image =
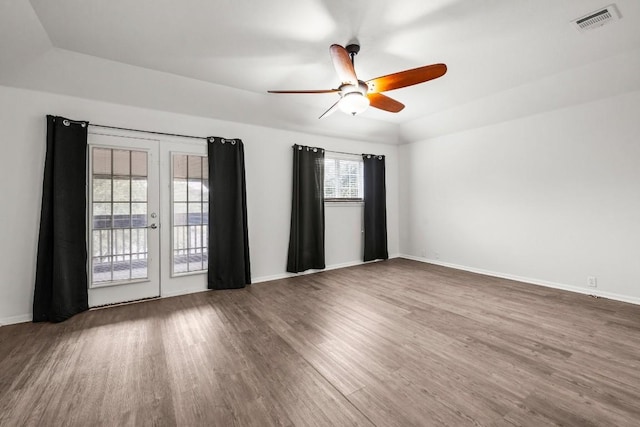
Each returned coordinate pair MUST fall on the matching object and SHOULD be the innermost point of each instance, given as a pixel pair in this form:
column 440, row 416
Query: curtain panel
column 61, row 266
column 306, row 238
column 229, row 264
column 375, row 208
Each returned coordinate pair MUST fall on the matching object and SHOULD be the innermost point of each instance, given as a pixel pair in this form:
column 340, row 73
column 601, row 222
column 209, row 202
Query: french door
column 148, row 218
column 124, row 241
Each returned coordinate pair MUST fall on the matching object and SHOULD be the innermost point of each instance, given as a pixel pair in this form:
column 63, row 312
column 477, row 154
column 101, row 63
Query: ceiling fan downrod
column 353, row 50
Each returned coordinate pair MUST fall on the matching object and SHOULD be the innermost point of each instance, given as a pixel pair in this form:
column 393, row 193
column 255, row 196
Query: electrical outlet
column 592, row 281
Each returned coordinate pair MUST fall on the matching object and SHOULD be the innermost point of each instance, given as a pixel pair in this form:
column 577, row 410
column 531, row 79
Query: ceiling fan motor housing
column 347, row 88
column 354, row 98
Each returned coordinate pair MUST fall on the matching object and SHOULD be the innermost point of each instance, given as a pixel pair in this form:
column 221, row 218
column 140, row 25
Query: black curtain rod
column 191, row 136
column 149, row 131
column 343, row 152
column 353, row 154
column 338, row 152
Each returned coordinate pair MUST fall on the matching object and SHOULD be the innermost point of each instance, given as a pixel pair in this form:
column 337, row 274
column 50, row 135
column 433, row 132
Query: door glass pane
column 139, row 189
column 101, row 161
column 121, row 162
column 195, row 190
column 179, row 214
column 195, row 213
column 119, row 237
column 190, row 213
column 101, row 215
column 205, row 190
column 194, row 166
column 121, row 215
column 179, row 166
column 179, row 190
column 195, row 251
column 138, row 215
column 121, row 189
column 138, row 163
column 101, row 189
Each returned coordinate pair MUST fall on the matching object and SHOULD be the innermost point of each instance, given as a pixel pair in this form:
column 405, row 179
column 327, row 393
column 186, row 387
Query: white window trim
column 344, row 201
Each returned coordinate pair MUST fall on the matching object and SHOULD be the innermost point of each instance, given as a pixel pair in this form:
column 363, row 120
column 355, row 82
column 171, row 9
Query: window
column 190, row 178
column 119, row 215
column 343, row 176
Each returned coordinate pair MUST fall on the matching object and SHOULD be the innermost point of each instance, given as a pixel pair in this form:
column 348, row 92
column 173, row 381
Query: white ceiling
column 159, row 53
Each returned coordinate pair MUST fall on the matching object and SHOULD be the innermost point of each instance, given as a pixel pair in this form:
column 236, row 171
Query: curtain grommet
column 66, row 122
column 83, row 124
column 315, row 150
column 299, row 147
column 368, row 156
column 379, row 157
column 233, row 142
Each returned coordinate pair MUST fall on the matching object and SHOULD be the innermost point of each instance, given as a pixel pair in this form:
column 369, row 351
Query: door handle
column 152, row 226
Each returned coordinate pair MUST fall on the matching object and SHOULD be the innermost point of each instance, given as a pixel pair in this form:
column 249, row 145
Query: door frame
column 135, row 289
column 178, row 283
column 169, row 284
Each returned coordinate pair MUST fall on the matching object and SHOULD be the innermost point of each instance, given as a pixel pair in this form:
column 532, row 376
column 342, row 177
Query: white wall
column 550, row 199
column 268, row 167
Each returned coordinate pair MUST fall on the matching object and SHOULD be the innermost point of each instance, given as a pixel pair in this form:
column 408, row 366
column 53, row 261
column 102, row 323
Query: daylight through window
column 190, row 213
column 119, row 215
column 343, row 177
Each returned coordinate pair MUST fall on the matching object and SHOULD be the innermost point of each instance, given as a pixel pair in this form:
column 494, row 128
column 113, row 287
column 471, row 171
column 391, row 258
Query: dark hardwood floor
column 396, row 343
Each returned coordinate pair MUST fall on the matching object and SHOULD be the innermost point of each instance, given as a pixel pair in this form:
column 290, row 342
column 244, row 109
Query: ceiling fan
column 356, row 95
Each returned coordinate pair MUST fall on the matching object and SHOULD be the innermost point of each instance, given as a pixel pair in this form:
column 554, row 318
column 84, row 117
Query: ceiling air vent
column 598, row 18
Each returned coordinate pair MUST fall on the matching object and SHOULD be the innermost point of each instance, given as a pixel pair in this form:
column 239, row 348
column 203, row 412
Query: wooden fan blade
column 305, row 91
column 406, row 78
column 385, row 103
column 343, row 65
column 331, row 110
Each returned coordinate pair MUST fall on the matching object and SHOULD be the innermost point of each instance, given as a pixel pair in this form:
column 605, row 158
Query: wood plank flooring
column 395, row 343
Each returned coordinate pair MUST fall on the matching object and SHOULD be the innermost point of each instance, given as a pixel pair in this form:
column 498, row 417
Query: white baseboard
column 16, row 319
column 329, row 267
column 529, row 280
column 28, row 317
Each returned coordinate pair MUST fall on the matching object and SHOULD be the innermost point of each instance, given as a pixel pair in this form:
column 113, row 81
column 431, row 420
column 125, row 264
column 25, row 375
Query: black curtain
column 306, row 239
column 229, row 266
column 61, row 268
column 375, row 208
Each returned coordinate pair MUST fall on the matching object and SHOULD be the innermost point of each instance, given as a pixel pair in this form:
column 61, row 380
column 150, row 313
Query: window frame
column 337, row 157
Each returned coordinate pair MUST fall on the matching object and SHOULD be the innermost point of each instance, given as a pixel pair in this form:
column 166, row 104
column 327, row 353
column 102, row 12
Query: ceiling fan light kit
column 354, row 103
column 356, row 95
column 354, row 98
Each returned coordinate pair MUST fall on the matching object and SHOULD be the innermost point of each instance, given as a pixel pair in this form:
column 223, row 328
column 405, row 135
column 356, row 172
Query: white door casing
column 160, row 279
